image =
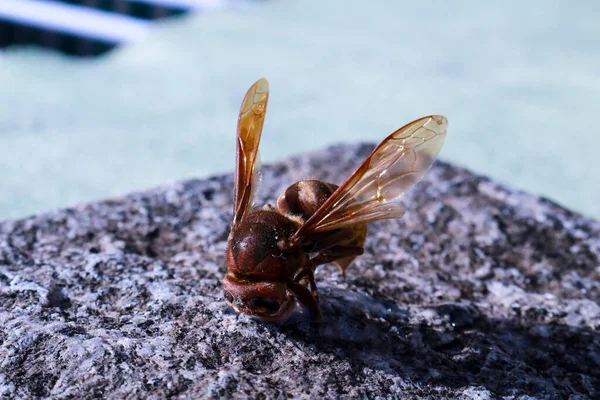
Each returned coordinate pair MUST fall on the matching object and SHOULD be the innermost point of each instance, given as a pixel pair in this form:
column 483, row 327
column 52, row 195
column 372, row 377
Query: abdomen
column 303, row 199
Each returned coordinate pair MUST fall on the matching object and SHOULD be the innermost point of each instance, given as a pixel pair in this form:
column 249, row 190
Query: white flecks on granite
column 479, row 292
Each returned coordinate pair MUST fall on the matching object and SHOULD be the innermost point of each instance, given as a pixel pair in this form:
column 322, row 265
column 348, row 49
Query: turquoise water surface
column 519, row 82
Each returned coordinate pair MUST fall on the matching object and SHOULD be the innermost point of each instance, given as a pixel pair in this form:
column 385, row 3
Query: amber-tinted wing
column 250, row 123
column 374, row 190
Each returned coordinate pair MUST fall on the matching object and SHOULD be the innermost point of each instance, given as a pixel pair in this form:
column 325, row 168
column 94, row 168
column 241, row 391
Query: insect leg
column 340, row 255
column 326, row 240
column 306, row 277
column 335, row 253
column 306, row 298
column 313, row 285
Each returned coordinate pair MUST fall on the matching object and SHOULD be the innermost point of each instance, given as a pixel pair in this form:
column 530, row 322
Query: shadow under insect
column 457, row 346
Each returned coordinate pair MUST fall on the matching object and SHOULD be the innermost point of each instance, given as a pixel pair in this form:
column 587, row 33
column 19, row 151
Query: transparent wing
column 375, row 189
column 250, row 123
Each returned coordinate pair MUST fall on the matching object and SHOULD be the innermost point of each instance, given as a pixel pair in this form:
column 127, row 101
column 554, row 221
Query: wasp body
column 272, row 252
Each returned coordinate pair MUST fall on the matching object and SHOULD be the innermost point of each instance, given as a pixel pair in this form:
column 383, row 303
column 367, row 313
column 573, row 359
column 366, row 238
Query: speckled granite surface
column 479, row 291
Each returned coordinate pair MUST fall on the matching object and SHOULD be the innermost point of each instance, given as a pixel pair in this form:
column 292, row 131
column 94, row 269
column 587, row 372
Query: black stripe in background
column 133, row 9
column 12, row 34
column 15, row 34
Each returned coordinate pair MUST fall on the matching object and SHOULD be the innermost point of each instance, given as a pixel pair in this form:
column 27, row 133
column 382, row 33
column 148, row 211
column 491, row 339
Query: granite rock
column 479, row 292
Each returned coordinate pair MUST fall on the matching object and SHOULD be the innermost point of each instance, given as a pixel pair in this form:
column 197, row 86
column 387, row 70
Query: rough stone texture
column 480, row 291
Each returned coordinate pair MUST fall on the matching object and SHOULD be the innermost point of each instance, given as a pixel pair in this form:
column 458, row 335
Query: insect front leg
column 306, row 297
column 306, row 277
column 313, row 285
column 298, row 286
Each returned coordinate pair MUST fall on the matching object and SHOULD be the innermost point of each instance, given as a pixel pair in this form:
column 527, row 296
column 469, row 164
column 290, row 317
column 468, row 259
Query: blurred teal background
column 519, row 82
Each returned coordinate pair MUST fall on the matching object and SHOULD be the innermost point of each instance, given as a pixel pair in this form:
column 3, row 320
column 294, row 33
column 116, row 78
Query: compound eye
column 228, row 296
column 264, row 303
